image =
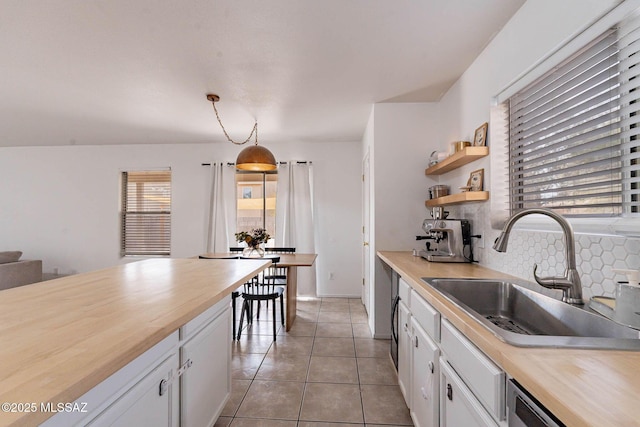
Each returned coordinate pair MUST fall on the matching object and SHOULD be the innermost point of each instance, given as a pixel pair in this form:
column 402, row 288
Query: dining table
column 290, row 261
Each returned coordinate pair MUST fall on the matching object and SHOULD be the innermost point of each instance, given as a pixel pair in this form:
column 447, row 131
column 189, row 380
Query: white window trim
column 566, row 49
column 142, row 256
column 615, row 226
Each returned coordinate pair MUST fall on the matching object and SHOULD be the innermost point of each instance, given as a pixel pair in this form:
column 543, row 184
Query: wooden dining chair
column 260, row 289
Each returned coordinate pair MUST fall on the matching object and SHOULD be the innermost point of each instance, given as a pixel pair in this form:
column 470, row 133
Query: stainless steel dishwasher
column 525, row 410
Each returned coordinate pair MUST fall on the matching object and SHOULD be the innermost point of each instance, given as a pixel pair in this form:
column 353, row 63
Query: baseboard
column 340, row 296
column 382, row 336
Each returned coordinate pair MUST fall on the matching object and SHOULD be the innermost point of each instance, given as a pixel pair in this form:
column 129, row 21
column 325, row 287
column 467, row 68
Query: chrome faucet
column 570, row 282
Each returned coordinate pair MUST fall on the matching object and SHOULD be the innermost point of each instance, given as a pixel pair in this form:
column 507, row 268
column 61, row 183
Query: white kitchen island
column 118, row 337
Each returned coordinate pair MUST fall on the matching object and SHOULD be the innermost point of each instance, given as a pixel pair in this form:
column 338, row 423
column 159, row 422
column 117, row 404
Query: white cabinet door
column 458, row 406
column 425, row 379
column 483, row 377
column 404, row 352
column 144, row 404
column 206, row 385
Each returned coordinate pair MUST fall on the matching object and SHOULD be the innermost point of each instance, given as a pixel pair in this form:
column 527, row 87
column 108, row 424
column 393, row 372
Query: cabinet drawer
column 427, row 316
column 204, row 318
column 404, row 292
column 485, row 379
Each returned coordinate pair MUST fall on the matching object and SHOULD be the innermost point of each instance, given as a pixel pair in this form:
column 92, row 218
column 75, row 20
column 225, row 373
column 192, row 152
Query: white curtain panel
column 221, row 209
column 294, row 217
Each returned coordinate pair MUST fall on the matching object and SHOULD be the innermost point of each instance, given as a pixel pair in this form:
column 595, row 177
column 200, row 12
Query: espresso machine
column 446, row 238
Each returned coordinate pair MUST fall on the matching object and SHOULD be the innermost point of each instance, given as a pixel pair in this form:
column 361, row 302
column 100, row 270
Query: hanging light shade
column 256, row 158
column 253, row 158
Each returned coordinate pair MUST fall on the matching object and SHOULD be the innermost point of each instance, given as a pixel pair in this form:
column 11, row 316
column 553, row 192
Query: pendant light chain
column 253, row 131
column 254, row 158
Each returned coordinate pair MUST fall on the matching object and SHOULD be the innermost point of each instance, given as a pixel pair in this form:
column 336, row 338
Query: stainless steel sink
column 517, row 313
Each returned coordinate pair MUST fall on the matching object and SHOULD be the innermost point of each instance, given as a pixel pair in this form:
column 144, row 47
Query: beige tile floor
column 326, row 370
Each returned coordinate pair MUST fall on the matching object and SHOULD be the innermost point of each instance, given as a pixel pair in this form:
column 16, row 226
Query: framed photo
column 246, row 192
column 476, row 180
column 480, row 137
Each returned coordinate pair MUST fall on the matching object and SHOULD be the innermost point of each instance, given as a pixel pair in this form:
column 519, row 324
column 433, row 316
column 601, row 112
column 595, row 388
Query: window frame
column 625, row 225
column 264, row 181
column 566, row 135
column 150, row 250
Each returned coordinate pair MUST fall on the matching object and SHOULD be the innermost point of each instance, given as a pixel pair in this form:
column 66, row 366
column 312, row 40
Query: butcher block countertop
column 60, row 338
column 581, row 387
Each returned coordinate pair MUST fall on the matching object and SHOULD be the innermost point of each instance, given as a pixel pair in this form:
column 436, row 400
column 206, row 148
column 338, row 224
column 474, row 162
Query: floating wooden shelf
column 456, row 199
column 467, row 155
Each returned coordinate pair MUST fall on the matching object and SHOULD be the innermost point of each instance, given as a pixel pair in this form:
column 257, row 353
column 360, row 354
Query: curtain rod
column 303, row 162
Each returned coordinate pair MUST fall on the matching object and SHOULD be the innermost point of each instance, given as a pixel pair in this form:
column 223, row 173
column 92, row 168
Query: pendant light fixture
column 253, row 158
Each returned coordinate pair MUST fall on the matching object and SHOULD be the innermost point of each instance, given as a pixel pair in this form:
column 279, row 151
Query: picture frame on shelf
column 480, row 136
column 476, row 180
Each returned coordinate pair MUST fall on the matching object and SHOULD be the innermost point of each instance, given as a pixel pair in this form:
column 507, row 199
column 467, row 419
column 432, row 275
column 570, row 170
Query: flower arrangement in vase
column 253, row 239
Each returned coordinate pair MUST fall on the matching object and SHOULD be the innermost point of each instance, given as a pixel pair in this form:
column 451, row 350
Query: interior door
column 366, row 249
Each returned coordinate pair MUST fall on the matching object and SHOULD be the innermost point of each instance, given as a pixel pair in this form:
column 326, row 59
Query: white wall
column 537, row 29
column 61, row 204
column 405, row 136
column 400, row 143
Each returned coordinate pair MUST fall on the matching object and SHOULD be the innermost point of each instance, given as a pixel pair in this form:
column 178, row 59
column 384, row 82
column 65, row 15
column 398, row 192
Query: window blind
column 573, row 132
column 629, row 44
column 146, row 213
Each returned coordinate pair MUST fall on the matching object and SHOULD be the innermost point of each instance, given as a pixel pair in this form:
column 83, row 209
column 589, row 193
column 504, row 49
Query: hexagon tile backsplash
column 596, row 257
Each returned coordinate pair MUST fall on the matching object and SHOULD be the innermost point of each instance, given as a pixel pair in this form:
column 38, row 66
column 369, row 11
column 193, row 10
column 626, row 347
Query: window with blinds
column 146, row 213
column 573, row 133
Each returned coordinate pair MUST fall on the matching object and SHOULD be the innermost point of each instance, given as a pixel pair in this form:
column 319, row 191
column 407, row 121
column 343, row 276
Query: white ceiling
column 137, row 71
